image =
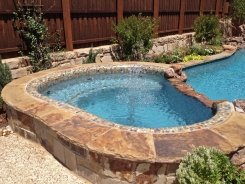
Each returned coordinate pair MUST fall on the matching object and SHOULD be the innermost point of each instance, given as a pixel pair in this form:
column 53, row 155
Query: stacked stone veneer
column 95, row 167
column 238, row 41
column 20, row 66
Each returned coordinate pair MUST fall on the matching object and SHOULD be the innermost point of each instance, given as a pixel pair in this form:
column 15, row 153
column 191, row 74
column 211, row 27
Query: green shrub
column 134, row 36
column 168, row 59
column 216, row 48
column 179, row 54
column 208, row 166
column 5, row 78
column 1, row 104
column 165, row 59
column 207, row 30
column 204, row 50
column 192, row 57
column 238, row 10
column 28, row 22
column 91, row 56
column 175, row 56
column 180, row 51
column 56, row 39
column 5, row 75
column 201, row 50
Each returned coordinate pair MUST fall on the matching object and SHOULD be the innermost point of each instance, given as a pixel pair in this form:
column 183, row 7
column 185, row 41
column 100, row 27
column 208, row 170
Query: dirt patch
column 240, row 104
column 3, row 119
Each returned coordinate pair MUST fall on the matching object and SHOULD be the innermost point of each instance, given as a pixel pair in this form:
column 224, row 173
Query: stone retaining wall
column 239, row 40
column 20, row 66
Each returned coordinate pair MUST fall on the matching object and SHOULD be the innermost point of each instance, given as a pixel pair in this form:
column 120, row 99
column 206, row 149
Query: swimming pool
column 134, row 99
column 220, row 80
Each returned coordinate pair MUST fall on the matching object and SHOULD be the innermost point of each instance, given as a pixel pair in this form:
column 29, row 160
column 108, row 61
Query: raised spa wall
column 20, row 66
column 109, row 154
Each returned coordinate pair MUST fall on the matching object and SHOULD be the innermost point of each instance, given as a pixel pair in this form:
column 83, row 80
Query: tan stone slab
column 172, row 147
column 50, row 113
column 79, row 130
column 20, row 72
column 28, row 78
column 11, row 89
column 31, row 105
column 17, row 97
column 233, row 129
column 125, row 144
column 13, row 63
column 28, row 103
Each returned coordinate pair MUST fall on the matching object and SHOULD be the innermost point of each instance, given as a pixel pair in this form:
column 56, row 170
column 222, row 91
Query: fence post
column 119, row 10
column 67, row 24
column 224, row 8
column 182, row 16
column 156, row 14
column 217, row 7
column 201, row 7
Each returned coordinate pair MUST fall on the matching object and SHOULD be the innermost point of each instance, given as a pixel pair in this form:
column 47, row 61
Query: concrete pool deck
column 105, row 153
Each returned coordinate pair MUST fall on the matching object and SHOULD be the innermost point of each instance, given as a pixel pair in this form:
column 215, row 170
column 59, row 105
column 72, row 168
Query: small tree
column 134, row 36
column 238, row 10
column 5, row 75
column 28, row 22
column 5, row 78
column 207, row 30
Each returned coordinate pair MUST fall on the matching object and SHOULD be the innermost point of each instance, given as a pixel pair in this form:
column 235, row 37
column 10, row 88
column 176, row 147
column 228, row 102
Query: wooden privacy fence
column 86, row 22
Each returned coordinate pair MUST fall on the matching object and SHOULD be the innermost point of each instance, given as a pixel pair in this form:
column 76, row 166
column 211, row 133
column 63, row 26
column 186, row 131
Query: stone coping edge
column 222, row 110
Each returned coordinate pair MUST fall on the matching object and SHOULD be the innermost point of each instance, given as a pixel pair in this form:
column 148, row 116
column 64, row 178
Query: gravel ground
column 25, row 162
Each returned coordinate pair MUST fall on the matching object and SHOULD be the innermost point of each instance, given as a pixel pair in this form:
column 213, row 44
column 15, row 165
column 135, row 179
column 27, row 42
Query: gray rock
column 229, row 47
column 98, row 58
column 13, row 63
column 21, row 72
column 169, row 73
column 107, row 59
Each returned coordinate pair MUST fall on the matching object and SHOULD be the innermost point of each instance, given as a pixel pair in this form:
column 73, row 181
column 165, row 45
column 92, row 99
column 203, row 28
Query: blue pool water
column 140, row 100
column 224, row 79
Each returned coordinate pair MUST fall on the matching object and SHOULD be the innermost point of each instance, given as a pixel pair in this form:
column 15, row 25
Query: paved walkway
column 25, row 162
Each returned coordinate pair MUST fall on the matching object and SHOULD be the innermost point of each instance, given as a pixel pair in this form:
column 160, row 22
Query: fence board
column 92, row 20
column 169, row 22
column 169, row 5
column 192, row 5
column 138, row 6
column 209, row 5
column 189, row 20
column 93, row 6
column 52, row 6
column 7, row 6
column 8, row 36
column 92, row 26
